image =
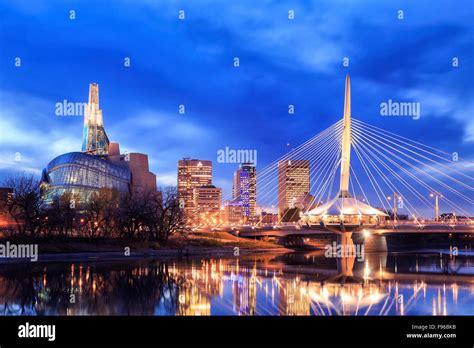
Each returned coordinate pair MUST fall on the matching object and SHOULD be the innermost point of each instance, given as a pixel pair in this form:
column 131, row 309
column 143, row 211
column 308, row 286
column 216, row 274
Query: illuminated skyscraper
column 245, row 188
column 192, row 173
column 94, row 138
column 293, row 182
column 207, row 204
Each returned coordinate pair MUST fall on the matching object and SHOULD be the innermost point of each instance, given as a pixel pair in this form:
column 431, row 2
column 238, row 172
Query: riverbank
column 208, row 245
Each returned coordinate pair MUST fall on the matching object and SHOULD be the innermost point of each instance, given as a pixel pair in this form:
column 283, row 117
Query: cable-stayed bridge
column 355, row 177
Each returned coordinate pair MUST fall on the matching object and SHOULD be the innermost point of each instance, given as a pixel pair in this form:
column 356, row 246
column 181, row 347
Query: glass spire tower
column 94, row 138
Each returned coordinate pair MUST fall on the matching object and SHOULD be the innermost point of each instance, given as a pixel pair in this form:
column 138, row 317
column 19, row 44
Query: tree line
column 147, row 215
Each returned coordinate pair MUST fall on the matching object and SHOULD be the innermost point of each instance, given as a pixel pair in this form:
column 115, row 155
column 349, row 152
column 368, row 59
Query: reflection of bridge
column 393, row 184
column 323, row 286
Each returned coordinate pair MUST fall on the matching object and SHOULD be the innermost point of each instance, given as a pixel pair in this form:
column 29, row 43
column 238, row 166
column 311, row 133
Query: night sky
column 191, row 62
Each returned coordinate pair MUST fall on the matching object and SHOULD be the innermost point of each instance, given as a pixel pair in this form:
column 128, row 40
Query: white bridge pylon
column 388, row 175
column 344, row 212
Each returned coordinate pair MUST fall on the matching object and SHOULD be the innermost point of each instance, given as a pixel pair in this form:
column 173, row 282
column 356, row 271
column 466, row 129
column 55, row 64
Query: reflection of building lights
column 402, row 306
column 445, row 311
column 455, row 293
column 294, row 296
column 366, row 270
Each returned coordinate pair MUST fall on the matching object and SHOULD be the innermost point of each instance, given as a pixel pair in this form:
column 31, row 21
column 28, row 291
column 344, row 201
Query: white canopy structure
column 344, row 206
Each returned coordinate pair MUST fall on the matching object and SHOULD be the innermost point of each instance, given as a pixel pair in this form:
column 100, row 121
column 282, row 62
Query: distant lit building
column 99, row 165
column 6, row 196
column 245, row 189
column 233, row 212
column 207, row 204
column 293, row 182
column 269, row 218
column 192, row 173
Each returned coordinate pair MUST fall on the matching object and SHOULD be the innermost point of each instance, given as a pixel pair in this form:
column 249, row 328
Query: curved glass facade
column 82, row 174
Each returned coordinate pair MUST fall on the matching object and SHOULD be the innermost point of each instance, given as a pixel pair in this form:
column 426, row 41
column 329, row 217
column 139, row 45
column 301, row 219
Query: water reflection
column 290, row 284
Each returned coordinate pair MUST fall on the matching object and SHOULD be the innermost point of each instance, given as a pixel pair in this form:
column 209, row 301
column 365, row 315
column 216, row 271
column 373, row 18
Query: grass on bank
column 56, row 245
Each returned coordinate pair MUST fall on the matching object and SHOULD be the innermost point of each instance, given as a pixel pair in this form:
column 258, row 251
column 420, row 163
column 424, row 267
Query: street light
column 436, row 194
column 394, row 205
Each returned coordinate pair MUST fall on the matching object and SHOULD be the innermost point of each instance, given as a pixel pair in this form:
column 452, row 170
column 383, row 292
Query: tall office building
column 245, row 189
column 192, row 173
column 293, row 182
column 207, row 204
column 94, row 138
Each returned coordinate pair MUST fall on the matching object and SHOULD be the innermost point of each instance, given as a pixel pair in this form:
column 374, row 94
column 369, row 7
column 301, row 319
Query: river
column 422, row 282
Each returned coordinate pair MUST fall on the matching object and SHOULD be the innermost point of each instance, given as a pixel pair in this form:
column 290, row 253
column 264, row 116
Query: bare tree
column 130, row 216
column 61, row 214
column 101, row 212
column 27, row 206
column 139, row 215
column 164, row 216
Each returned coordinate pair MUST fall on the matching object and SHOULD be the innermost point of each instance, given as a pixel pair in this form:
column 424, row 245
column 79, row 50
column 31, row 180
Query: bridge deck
column 462, row 229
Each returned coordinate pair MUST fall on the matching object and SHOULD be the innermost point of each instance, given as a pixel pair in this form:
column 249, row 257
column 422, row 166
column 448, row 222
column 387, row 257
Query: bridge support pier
column 345, row 239
column 345, row 264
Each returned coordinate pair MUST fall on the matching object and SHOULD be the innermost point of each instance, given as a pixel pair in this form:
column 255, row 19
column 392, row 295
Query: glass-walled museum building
column 82, row 174
column 99, row 165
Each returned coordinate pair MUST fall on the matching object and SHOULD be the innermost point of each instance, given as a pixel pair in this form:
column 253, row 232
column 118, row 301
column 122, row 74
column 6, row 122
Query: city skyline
column 161, row 161
column 257, row 93
column 96, row 143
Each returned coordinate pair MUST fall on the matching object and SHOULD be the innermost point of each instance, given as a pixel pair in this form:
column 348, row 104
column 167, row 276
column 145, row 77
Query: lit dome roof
column 345, row 206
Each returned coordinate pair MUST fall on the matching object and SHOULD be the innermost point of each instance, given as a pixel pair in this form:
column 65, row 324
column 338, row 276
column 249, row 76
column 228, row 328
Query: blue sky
column 190, row 62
